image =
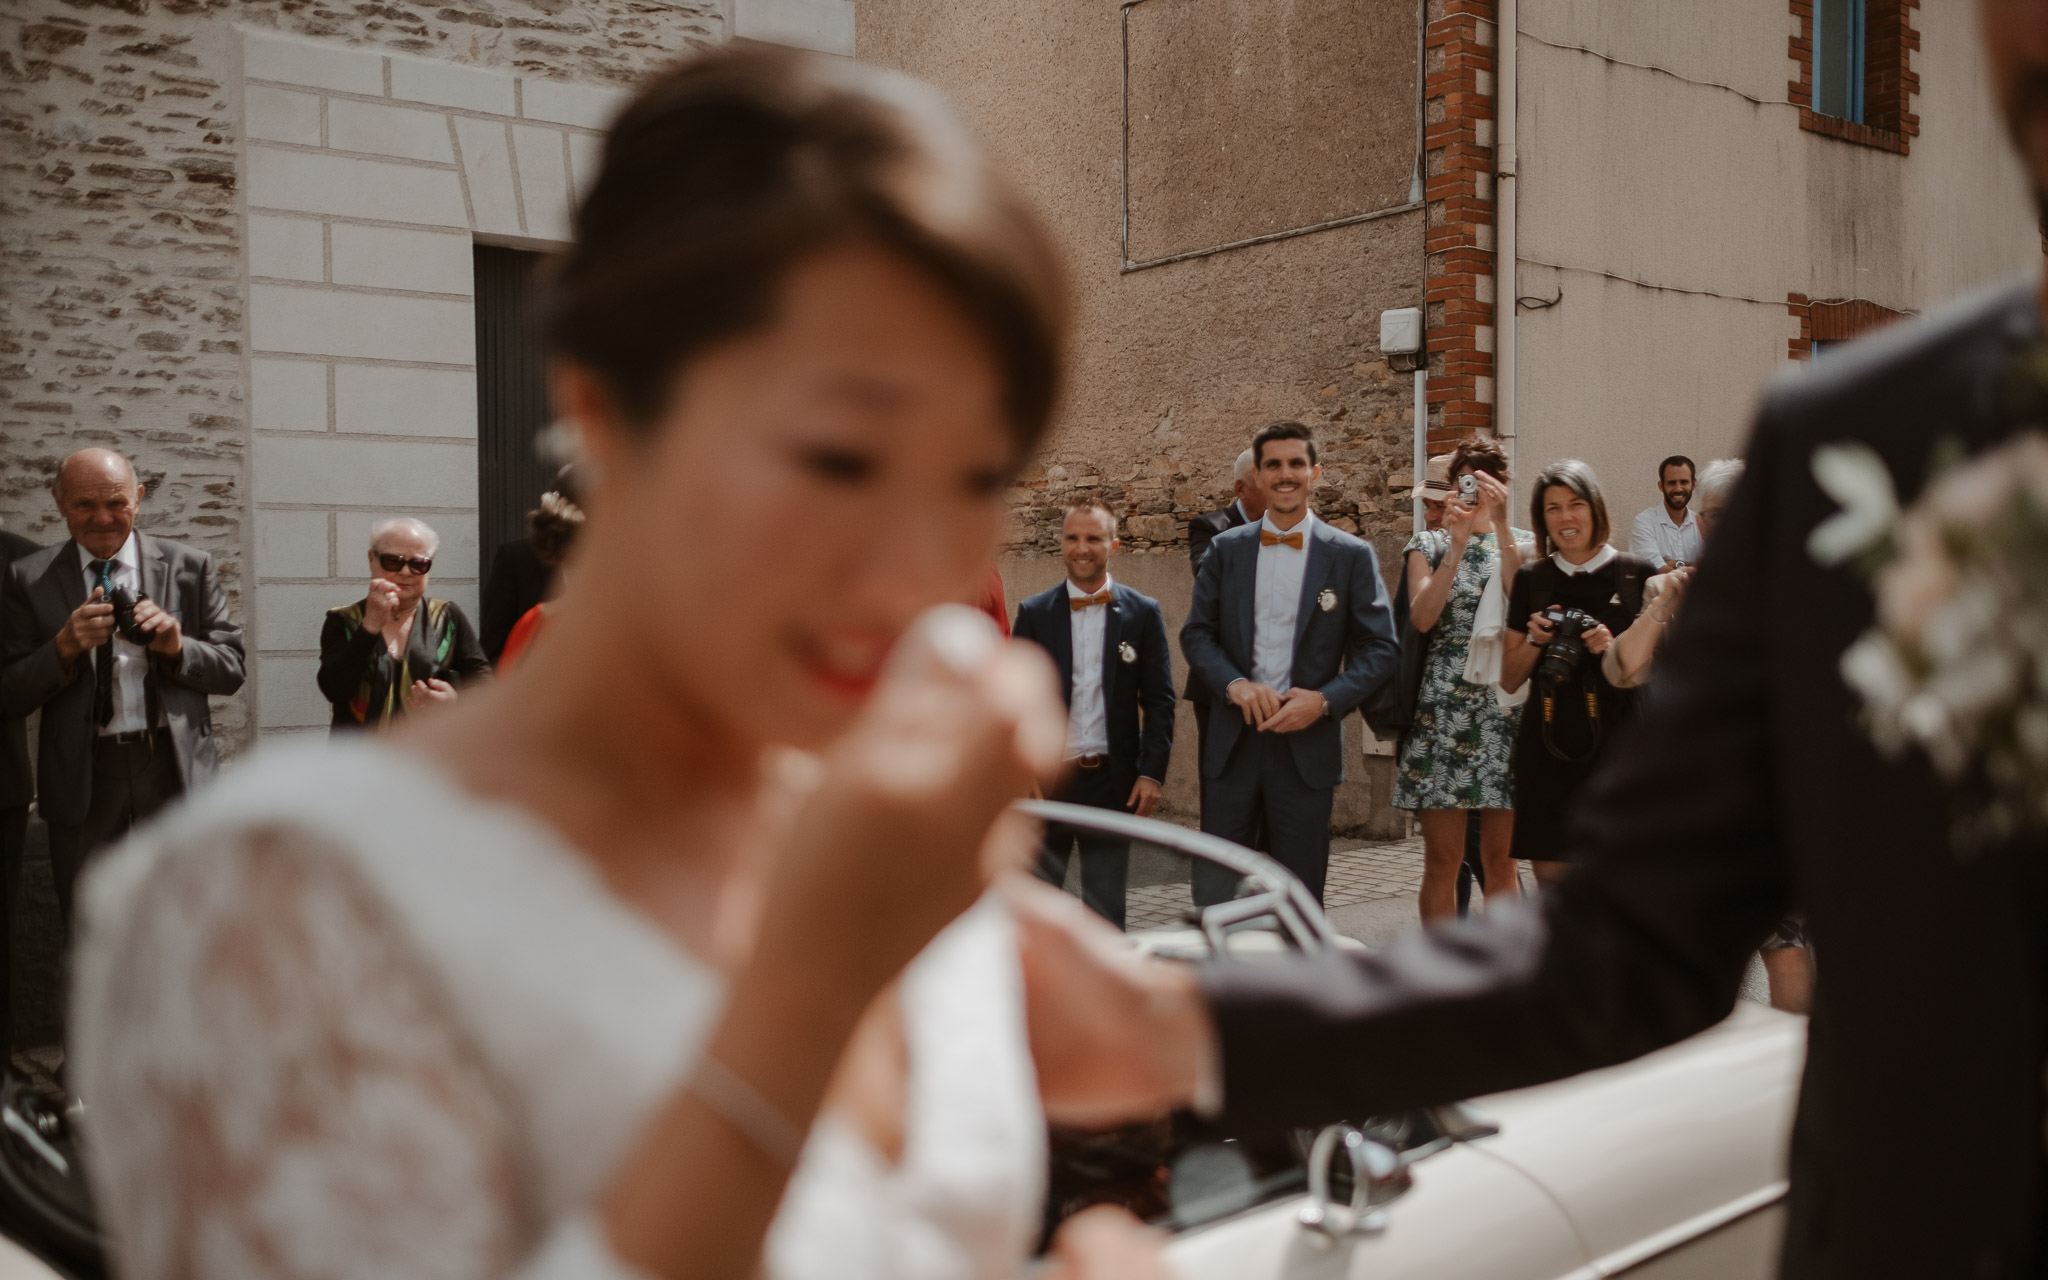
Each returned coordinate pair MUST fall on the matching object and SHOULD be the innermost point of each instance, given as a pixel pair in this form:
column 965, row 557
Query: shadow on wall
column 1361, row 805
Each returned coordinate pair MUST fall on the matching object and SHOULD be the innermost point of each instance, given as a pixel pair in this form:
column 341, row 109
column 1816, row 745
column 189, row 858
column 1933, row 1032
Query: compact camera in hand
column 1567, row 646
column 1468, row 489
column 124, row 600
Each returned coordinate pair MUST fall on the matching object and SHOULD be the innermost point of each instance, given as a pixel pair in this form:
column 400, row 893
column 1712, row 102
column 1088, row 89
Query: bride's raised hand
column 890, row 846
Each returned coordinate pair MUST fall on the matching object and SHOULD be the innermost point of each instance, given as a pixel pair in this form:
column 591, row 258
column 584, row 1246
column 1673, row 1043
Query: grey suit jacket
column 37, row 596
column 1344, row 652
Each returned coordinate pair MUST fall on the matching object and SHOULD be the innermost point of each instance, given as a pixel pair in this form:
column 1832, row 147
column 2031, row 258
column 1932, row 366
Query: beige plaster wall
column 1175, row 366
column 1677, row 202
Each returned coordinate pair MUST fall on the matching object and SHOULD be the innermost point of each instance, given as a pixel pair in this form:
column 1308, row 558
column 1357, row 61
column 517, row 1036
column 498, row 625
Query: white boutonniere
column 1956, row 664
column 1127, row 651
column 1327, row 601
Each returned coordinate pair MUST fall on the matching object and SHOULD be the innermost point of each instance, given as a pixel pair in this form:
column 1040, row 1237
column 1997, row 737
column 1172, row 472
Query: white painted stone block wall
column 368, row 178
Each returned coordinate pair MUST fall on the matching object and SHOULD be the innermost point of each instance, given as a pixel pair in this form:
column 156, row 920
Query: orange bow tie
column 1268, row 538
column 1078, row 603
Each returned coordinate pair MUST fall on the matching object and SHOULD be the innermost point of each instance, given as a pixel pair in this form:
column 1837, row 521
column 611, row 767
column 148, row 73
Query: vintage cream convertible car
column 1671, row 1167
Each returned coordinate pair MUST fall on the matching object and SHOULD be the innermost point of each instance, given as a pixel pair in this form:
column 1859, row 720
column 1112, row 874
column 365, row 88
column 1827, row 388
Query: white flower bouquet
column 1957, row 663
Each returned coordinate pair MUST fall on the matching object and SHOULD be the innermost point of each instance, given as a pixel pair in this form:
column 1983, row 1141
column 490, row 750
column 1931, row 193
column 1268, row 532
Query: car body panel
column 1683, row 1139
column 1470, row 1217
column 1671, row 1167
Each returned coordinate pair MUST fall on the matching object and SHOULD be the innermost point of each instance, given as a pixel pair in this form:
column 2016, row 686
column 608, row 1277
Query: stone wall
column 123, row 296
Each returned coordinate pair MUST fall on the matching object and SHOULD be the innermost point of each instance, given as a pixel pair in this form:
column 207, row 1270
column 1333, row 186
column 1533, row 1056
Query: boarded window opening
column 512, row 396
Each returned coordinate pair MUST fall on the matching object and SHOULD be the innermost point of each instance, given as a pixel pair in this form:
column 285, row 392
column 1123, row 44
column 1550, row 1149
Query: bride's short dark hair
column 732, row 167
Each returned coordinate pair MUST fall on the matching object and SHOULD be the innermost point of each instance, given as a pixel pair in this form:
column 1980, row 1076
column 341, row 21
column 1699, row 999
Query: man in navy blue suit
column 1109, row 643
column 1290, row 630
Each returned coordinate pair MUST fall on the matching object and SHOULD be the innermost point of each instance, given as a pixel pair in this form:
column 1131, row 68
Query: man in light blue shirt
column 1668, row 534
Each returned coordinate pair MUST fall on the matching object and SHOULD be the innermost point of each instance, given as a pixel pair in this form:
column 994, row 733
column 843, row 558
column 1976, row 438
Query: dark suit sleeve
column 467, row 664
column 210, row 658
column 1645, row 946
column 1201, row 636
column 1155, row 698
column 31, row 673
column 1201, row 532
column 1024, row 628
column 345, row 655
column 1372, row 650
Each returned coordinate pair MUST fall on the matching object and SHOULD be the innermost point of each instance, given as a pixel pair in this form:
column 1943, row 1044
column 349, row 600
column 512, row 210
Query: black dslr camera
column 1567, row 646
column 124, row 601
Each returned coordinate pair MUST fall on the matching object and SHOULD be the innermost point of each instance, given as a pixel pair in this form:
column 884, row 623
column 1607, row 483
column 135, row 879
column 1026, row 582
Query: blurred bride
column 555, row 984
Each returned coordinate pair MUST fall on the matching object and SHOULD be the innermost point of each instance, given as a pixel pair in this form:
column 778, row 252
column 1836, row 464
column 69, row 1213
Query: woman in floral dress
column 1456, row 756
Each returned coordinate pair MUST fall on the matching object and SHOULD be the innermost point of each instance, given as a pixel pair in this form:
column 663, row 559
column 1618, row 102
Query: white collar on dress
column 1599, row 560
column 1075, row 593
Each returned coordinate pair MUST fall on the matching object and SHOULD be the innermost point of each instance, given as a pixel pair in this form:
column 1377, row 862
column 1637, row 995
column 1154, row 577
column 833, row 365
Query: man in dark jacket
column 1109, row 643
column 1245, row 508
column 17, row 789
column 125, row 726
column 1748, row 787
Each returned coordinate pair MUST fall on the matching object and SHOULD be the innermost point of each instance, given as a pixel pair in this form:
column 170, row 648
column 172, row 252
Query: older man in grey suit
column 125, row 725
column 1290, row 630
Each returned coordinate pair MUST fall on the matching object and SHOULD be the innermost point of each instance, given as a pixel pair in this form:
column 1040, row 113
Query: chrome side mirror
column 1378, row 1178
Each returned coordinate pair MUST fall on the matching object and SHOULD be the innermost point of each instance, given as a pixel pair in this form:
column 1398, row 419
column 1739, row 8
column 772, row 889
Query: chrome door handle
column 1378, row 1178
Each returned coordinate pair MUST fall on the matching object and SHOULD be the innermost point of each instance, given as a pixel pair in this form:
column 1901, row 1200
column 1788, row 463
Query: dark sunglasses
column 421, row 565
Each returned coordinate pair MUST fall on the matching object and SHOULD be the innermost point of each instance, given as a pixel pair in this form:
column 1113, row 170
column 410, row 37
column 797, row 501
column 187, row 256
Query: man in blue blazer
column 1109, row 643
column 1290, row 630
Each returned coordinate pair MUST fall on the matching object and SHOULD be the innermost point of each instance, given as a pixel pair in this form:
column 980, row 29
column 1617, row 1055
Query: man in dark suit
column 1748, row 787
column 1247, row 506
column 1290, row 630
column 17, row 789
column 1109, row 643
column 125, row 726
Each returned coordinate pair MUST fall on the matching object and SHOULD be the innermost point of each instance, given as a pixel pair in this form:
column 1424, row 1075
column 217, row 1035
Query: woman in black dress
column 1573, row 712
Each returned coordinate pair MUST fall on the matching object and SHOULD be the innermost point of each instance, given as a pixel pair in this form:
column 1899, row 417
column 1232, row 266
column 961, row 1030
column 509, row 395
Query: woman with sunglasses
column 396, row 649
column 595, row 975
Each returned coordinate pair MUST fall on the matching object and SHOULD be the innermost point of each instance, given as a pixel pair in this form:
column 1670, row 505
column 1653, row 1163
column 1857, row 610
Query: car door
column 1671, row 1167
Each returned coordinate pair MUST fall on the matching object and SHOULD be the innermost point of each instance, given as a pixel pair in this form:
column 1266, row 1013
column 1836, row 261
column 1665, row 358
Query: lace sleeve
column 276, row 1091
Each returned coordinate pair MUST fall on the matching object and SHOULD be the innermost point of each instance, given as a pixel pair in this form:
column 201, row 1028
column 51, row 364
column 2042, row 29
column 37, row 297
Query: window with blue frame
column 1839, row 40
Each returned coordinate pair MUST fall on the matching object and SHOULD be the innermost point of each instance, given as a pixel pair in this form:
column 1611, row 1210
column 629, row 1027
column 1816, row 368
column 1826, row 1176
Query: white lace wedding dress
column 308, row 1054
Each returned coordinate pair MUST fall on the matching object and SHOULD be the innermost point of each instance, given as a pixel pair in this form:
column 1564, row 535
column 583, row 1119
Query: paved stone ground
column 1360, row 872
column 1369, row 895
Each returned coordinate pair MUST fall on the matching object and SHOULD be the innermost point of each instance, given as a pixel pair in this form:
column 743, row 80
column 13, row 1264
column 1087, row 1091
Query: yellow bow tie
column 1268, row 538
column 1078, row 603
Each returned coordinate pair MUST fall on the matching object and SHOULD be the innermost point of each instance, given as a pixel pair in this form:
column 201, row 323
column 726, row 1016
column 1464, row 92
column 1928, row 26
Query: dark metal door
column 512, row 396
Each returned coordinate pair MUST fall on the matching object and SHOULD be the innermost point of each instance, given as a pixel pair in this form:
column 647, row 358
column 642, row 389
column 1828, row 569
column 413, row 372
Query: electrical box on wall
column 1401, row 331
column 1401, row 338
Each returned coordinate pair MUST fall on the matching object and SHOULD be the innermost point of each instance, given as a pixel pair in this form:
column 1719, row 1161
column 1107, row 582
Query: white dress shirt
column 1276, row 598
column 131, row 661
column 1656, row 539
column 1088, row 711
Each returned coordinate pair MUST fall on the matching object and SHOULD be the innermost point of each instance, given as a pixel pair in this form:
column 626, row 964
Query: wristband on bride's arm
column 758, row 1120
